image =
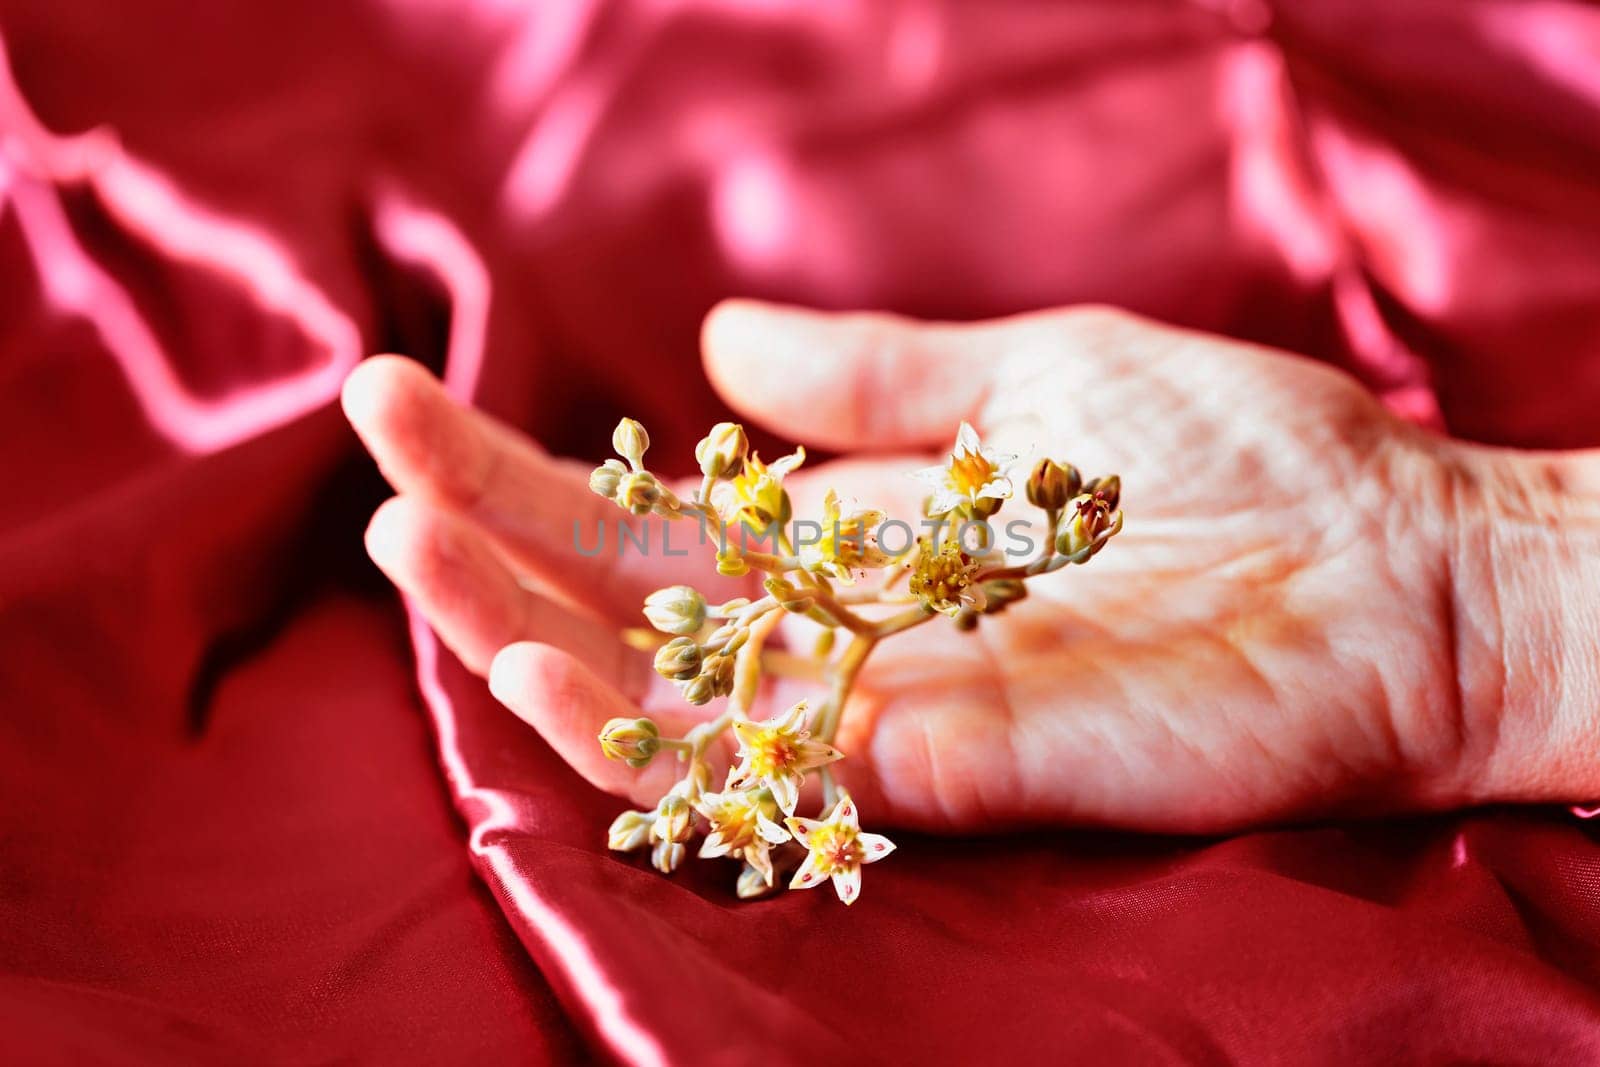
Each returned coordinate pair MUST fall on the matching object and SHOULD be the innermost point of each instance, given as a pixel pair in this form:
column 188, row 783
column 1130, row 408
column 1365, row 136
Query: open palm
column 1270, row 637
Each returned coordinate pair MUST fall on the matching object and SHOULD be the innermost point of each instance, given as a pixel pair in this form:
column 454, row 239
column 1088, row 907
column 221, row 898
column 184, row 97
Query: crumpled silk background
column 250, row 811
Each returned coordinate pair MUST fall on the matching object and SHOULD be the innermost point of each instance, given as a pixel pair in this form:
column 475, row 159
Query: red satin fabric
column 245, row 809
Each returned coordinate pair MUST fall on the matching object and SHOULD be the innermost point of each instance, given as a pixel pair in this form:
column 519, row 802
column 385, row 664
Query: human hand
column 1284, row 629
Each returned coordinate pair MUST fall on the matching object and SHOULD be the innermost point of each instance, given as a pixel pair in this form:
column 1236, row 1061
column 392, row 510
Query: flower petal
column 874, row 847
column 844, row 812
column 802, row 829
column 967, row 439
column 996, row 489
column 758, row 857
column 713, row 846
column 794, row 718
column 770, row 831
column 809, row 876
column 708, row 804
column 809, row 754
column 999, row 459
column 783, row 466
column 847, row 883
column 785, row 790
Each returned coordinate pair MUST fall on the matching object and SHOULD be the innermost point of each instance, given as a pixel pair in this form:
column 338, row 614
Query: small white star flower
column 756, row 496
column 972, row 474
column 742, row 826
column 837, row 850
column 848, row 542
column 778, row 753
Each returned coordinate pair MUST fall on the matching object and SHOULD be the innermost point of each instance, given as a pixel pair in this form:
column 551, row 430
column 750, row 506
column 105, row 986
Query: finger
column 433, row 449
column 568, row 704
column 474, row 603
column 848, row 381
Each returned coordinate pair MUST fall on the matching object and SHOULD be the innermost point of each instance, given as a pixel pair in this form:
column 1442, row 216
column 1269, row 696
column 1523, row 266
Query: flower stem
column 844, row 679
column 841, row 614
column 747, row 664
column 782, row 664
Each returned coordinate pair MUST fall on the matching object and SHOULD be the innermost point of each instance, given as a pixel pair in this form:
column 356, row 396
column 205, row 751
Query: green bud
column 719, row 669
column 630, row 442
column 678, row 660
column 677, row 609
column 731, row 565
column 634, row 740
column 700, row 691
column 629, row 830
column 1051, row 485
column 603, row 481
column 1001, row 593
column 736, row 642
column 721, row 452
column 638, row 491
column 1090, row 523
column 674, row 818
column 1108, row 489
column 752, row 884
column 667, row 856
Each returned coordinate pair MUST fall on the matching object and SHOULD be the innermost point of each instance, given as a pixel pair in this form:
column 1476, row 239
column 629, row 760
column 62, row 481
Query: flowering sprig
column 719, row 651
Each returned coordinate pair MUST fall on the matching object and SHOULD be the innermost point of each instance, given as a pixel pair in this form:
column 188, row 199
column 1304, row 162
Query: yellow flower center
column 836, row 847
column 737, row 824
column 759, row 495
column 772, row 751
column 941, row 576
column 969, row 472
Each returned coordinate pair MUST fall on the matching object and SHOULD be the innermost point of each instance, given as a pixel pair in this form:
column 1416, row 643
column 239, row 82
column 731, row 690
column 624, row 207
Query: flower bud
column 730, row 564
column 1002, row 592
column 1052, row 485
column 1090, row 523
column 634, row 740
column 674, row 818
column 638, row 491
column 630, row 442
column 603, row 481
column 667, row 856
column 752, row 884
column 700, row 691
column 721, row 452
column 720, row 670
column 677, row 609
column 1108, row 489
column 630, row 830
column 736, row 642
column 678, row 660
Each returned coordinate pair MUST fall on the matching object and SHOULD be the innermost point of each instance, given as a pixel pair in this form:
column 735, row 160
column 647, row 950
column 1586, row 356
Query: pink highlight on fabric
column 154, row 210
column 1272, row 193
column 428, row 240
column 600, row 997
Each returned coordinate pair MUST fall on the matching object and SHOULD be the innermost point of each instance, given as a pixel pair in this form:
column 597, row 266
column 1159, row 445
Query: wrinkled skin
column 1274, row 635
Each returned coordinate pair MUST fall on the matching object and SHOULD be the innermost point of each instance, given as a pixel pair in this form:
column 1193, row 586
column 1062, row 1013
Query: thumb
column 848, row 381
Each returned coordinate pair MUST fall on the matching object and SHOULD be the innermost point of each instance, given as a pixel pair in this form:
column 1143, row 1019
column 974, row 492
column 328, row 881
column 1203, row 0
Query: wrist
column 1525, row 572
